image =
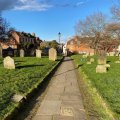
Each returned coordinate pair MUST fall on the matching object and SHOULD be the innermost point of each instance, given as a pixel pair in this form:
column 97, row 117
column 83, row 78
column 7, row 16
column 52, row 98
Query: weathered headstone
column 22, row 53
column 102, row 57
column 111, row 53
column 38, row 53
column 92, row 54
column 0, row 51
column 85, row 56
column 52, row 54
column 88, row 62
column 107, row 65
column 17, row 98
column 117, row 61
column 9, row 63
column 92, row 59
column 108, row 54
column 101, row 69
column 101, row 61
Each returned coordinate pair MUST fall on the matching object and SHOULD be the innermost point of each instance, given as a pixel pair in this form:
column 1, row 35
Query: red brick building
column 16, row 39
column 79, row 45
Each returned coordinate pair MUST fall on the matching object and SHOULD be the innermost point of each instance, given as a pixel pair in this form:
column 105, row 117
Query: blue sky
column 48, row 17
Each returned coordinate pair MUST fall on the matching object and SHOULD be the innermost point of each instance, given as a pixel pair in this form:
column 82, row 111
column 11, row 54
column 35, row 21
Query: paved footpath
column 63, row 100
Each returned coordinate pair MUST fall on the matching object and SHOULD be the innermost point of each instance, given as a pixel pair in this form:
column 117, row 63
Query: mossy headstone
column 9, row 63
column 22, row 53
column 52, row 54
column 101, row 67
column 38, row 53
column 102, row 57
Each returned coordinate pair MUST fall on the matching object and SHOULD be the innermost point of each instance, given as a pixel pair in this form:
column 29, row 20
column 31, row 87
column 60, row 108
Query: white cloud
column 79, row 3
column 31, row 5
column 34, row 5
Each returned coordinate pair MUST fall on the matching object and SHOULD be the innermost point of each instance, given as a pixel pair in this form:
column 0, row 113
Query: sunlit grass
column 29, row 73
column 107, row 84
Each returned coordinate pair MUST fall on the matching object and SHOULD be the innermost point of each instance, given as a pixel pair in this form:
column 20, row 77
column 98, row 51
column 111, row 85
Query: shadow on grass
column 27, row 66
column 108, row 61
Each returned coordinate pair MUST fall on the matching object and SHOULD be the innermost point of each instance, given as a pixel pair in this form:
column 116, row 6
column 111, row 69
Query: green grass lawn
column 107, row 84
column 29, row 72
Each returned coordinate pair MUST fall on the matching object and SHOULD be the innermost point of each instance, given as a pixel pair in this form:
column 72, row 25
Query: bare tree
column 113, row 29
column 92, row 27
column 115, row 10
column 4, row 27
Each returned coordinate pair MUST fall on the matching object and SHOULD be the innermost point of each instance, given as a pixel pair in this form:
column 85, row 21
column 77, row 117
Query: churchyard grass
column 29, row 73
column 107, row 85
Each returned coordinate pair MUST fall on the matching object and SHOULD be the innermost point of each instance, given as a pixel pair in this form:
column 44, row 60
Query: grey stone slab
column 73, row 104
column 71, row 89
column 80, row 114
column 54, row 90
column 58, row 84
column 68, row 97
column 49, row 107
column 42, row 117
column 58, row 117
column 52, row 97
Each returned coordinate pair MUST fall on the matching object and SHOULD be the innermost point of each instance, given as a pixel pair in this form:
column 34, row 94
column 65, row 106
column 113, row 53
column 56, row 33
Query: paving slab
column 59, row 117
column 42, row 117
column 49, row 108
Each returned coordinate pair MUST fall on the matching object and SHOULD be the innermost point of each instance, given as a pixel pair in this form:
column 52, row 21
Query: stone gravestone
column 88, row 62
column 102, row 57
column 108, row 54
column 52, row 54
column 118, row 61
column 17, row 98
column 9, row 63
column 92, row 54
column 92, row 60
column 38, row 53
column 85, row 56
column 0, row 51
column 101, row 67
column 22, row 53
column 111, row 53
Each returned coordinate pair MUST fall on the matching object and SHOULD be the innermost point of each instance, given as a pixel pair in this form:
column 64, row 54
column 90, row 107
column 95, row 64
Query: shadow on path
column 68, row 70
